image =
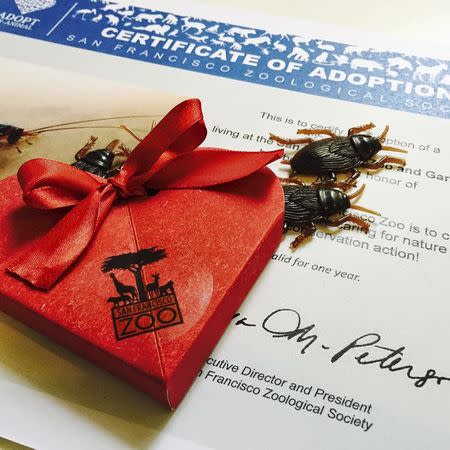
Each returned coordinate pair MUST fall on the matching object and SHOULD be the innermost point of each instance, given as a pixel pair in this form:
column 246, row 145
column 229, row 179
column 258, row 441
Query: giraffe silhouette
column 134, row 263
column 154, row 285
column 123, row 289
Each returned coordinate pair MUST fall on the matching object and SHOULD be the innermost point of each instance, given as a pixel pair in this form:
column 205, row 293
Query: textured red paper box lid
column 217, row 241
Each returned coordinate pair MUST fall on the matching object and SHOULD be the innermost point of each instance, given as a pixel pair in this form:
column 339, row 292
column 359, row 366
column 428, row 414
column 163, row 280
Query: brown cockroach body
column 339, row 154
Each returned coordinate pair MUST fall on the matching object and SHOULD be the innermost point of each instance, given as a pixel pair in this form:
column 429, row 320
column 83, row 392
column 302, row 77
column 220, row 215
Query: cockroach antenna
column 11, row 134
column 382, row 138
column 355, row 195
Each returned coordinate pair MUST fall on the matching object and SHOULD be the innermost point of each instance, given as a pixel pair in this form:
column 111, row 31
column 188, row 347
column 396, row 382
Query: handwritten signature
column 287, row 323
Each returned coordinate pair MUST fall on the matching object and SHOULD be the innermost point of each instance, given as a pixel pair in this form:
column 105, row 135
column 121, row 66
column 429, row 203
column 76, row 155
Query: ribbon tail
column 46, row 259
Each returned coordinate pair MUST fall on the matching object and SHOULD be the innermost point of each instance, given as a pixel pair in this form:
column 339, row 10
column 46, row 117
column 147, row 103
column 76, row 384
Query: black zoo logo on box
column 141, row 308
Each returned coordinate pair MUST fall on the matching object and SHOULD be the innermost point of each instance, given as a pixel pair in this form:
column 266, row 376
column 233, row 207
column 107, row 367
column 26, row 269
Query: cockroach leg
column 283, row 141
column 359, row 129
column 330, row 181
column 131, row 132
column 124, row 151
column 382, row 161
column 85, row 149
column 307, row 231
column 318, row 131
column 354, row 175
column 349, row 218
column 351, row 180
column 325, row 179
column 330, row 184
column 292, row 181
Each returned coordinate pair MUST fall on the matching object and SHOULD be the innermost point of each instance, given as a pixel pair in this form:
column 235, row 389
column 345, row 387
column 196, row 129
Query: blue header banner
column 329, row 69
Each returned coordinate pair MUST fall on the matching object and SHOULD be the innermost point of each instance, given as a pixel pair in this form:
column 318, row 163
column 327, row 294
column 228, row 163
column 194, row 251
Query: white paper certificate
column 341, row 344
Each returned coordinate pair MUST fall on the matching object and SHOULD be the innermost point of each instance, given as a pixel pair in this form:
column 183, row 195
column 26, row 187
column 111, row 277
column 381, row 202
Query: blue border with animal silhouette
column 341, row 71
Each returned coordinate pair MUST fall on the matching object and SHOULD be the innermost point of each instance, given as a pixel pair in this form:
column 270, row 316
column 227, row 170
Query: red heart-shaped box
column 216, row 242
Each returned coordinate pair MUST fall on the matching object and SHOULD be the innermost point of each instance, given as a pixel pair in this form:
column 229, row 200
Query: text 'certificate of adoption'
column 341, row 344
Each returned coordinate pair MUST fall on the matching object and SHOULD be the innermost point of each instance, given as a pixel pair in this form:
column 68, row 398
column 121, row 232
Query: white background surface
column 56, row 400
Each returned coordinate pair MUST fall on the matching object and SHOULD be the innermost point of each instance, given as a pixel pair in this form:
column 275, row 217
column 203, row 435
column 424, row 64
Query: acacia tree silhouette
column 134, row 262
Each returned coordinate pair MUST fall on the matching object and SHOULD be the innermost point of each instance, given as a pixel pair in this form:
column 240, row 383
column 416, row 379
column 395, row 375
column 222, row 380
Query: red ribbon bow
column 167, row 158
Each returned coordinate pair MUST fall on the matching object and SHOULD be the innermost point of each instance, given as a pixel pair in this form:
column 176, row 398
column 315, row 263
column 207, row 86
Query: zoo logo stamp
column 140, row 308
column 30, row 6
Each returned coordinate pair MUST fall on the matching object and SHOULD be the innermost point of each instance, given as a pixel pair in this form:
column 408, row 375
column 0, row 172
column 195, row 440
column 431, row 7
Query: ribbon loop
column 50, row 184
column 167, row 158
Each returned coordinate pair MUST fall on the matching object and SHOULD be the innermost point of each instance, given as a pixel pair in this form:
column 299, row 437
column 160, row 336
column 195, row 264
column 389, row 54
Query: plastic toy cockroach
column 339, row 154
column 101, row 161
column 308, row 205
column 11, row 135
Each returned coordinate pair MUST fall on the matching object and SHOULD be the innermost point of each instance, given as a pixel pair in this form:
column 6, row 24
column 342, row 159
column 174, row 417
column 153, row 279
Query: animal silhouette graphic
column 367, row 64
column 134, row 263
column 299, row 54
column 98, row 18
column 126, row 13
column 118, row 301
column 399, row 63
column 200, row 39
column 277, row 45
column 214, row 29
column 430, row 71
column 217, row 42
column 112, row 19
column 157, row 29
column 257, row 41
column 354, row 50
column 123, row 289
column 242, row 32
column 322, row 58
column 341, row 59
column 299, row 40
column 150, row 18
column 170, row 19
column 84, row 12
column 325, row 47
column 154, row 285
column 225, row 38
column 391, row 73
column 188, row 25
column 113, row 7
column 166, row 289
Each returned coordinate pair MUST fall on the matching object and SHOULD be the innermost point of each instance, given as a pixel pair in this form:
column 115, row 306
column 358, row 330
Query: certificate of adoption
column 342, row 343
